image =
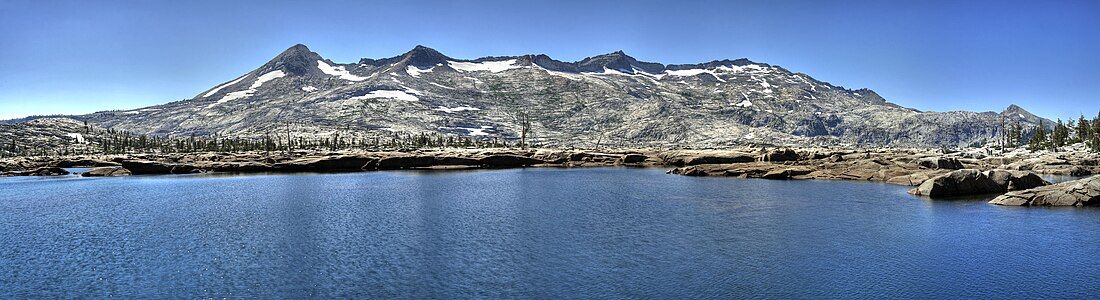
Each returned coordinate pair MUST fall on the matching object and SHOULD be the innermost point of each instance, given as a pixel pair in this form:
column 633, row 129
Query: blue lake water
column 528, row 233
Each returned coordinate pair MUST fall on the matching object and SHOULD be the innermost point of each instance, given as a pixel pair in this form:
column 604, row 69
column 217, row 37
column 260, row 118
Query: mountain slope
column 611, row 98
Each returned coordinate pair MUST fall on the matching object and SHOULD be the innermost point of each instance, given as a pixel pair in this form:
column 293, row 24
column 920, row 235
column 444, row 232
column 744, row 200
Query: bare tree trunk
column 524, row 121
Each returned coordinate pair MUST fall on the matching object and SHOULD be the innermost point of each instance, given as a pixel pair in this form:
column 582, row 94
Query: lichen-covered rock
column 1083, row 192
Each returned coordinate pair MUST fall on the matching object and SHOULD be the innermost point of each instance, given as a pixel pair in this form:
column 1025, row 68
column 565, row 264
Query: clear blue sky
column 85, row 56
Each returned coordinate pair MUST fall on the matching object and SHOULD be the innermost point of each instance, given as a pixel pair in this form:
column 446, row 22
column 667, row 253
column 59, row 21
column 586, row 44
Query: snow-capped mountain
column 611, row 98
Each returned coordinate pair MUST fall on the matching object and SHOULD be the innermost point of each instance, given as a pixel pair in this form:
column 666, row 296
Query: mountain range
column 613, row 99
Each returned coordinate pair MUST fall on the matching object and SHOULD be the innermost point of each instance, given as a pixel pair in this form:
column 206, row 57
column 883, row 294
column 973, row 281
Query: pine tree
column 1084, row 129
column 1059, row 135
column 1071, row 129
column 1095, row 135
column 1038, row 138
column 1016, row 137
column 1004, row 133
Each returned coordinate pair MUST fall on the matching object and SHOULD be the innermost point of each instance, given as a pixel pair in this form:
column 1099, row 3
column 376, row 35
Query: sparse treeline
column 1060, row 135
column 109, row 141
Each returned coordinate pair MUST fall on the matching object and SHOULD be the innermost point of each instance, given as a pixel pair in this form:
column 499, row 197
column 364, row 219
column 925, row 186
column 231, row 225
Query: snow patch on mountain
column 269, row 76
column 233, row 96
column 309, row 89
column 693, row 72
column 607, row 71
column 455, row 109
column 338, row 71
column 442, row 86
column 79, row 138
column 415, row 72
column 220, row 87
column 477, row 131
column 387, row 94
column 490, row 66
column 745, row 103
column 745, row 68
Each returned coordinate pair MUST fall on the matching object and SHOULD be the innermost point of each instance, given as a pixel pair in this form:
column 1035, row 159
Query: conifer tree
column 1038, row 138
column 1016, row 135
column 1084, row 129
column 1059, row 135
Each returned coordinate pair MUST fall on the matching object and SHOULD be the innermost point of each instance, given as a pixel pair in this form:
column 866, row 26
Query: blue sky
column 85, row 56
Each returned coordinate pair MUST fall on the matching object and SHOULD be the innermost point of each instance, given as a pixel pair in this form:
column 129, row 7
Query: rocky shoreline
column 932, row 173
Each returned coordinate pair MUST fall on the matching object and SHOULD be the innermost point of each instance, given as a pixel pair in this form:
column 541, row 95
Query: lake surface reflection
column 528, row 233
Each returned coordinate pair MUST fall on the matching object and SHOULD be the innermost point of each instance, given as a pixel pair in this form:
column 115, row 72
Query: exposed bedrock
column 1082, row 192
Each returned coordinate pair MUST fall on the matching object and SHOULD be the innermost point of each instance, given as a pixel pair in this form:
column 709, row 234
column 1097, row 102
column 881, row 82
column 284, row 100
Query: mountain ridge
column 610, row 96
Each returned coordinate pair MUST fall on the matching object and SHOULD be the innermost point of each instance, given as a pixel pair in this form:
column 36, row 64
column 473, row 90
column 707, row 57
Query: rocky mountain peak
column 618, row 61
column 1015, row 112
column 297, row 60
column 421, row 56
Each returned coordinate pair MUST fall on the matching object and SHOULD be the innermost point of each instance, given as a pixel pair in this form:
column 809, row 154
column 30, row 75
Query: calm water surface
column 530, row 233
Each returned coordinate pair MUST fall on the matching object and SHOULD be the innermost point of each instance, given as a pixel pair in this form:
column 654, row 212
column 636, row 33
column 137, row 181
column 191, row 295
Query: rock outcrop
column 335, row 163
column 780, row 155
column 43, row 171
column 1080, row 192
column 786, row 173
column 1016, row 180
column 682, row 158
column 146, row 167
column 106, row 172
column 931, row 172
column 508, row 161
column 633, row 158
column 406, row 162
column 1083, row 192
column 940, row 163
column 958, row 183
column 84, row 162
column 975, row 182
